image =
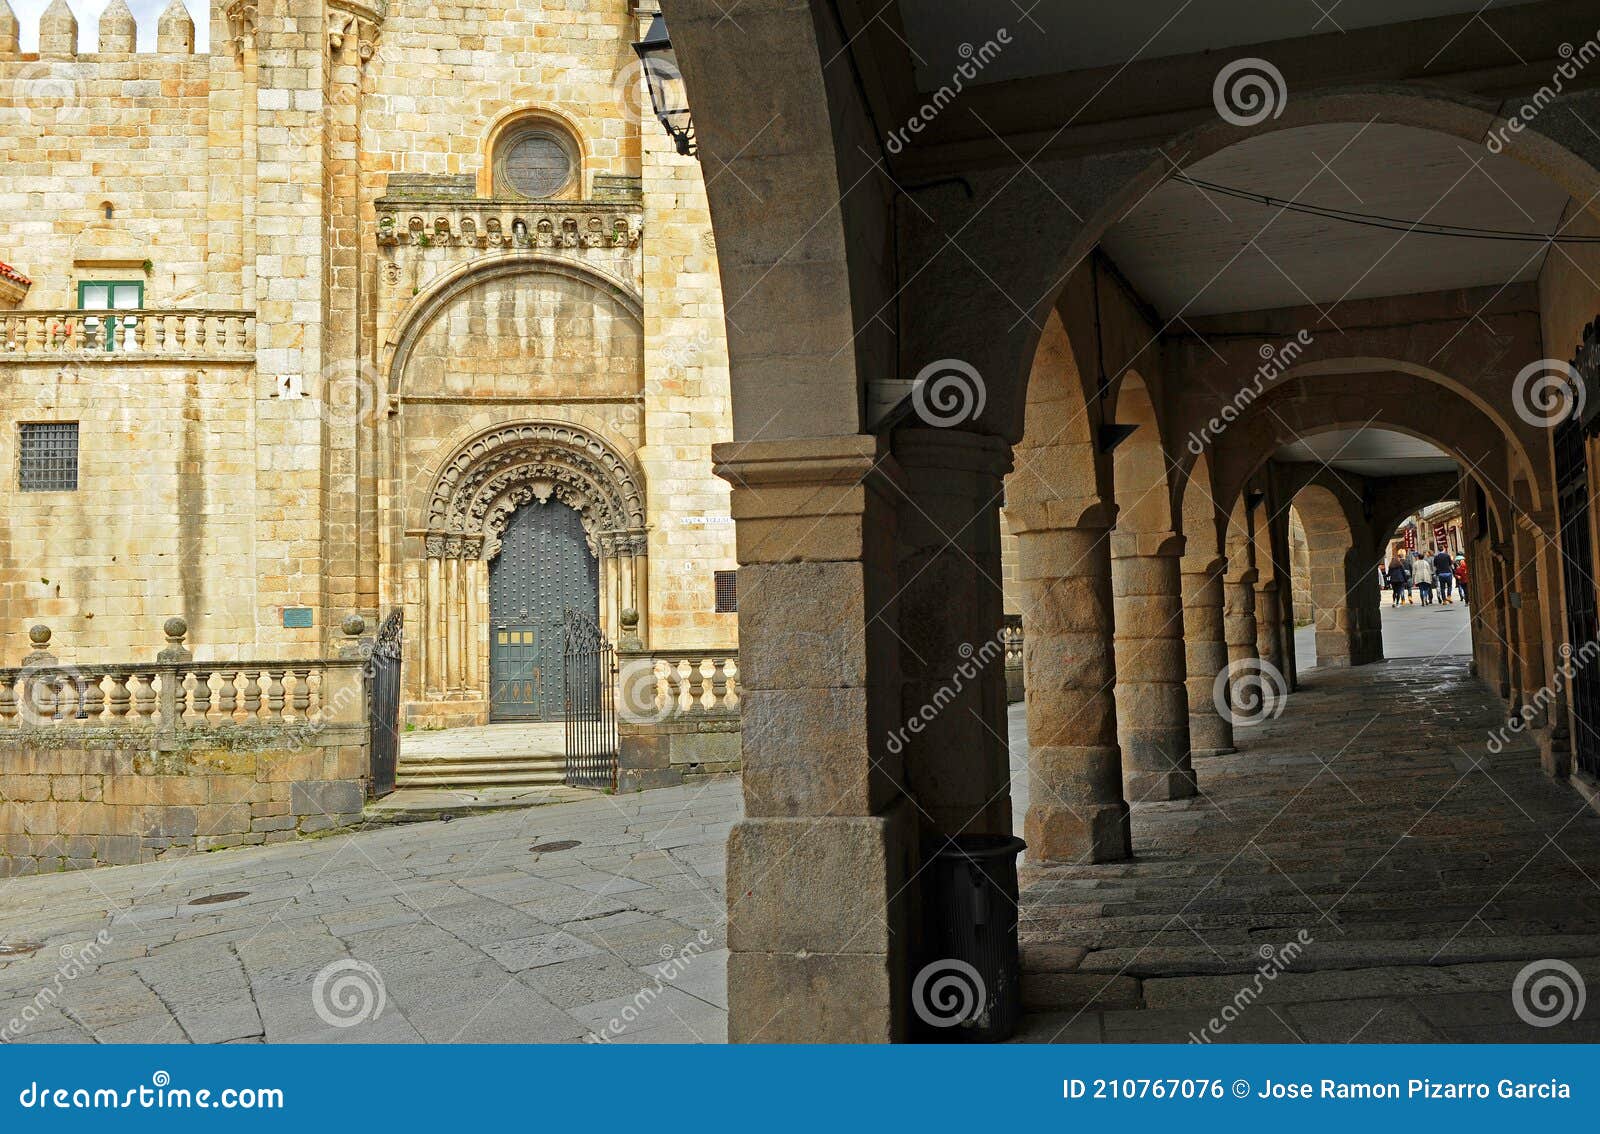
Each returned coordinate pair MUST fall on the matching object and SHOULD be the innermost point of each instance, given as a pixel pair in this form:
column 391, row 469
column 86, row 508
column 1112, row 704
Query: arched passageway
column 922, row 324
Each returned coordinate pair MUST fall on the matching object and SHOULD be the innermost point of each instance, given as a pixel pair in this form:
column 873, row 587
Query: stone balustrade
column 695, row 682
column 92, row 335
column 506, row 225
column 176, row 693
column 1011, row 640
column 131, row 762
column 679, row 714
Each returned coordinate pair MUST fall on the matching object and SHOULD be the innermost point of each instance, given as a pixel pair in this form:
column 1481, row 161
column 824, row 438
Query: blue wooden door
column 544, row 569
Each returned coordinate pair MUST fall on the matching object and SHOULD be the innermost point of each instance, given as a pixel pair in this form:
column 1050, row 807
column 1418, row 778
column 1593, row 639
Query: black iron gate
column 589, row 670
column 383, row 704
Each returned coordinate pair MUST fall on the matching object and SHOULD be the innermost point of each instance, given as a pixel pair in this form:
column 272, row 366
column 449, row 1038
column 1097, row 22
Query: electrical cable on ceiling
column 1371, row 220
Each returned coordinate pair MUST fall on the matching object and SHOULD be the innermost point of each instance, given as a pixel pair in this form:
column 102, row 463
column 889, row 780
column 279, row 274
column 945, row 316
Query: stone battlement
column 58, row 32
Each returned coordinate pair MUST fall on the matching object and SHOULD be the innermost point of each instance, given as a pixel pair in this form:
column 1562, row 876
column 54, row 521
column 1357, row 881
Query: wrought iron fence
column 589, row 672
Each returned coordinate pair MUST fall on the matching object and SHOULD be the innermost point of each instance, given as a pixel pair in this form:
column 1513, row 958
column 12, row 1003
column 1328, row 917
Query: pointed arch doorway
column 544, row 569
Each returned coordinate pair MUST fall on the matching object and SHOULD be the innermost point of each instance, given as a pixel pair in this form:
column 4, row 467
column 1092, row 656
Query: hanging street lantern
column 667, row 94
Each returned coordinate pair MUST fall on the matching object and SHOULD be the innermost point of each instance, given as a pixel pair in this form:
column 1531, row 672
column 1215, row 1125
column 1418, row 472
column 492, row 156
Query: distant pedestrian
column 1399, row 577
column 1460, row 570
column 1444, row 575
column 1422, row 574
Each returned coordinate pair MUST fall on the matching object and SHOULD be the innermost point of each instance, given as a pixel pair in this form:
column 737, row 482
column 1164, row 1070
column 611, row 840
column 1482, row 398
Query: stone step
column 477, row 770
column 472, row 758
column 481, row 779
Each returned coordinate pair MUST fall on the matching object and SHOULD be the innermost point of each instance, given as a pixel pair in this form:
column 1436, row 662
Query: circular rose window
column 536, row 165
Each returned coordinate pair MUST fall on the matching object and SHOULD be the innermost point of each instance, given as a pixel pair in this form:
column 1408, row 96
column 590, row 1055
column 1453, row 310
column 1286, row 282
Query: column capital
column 806, row 498
column 1211, row 568
column 1063, row 514
column 955, row 450
column 1147, row 545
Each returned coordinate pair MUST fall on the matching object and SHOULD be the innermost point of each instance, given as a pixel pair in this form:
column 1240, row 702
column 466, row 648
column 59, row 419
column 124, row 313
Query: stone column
column 1530, row 617
column 953, row 657
column 1152, row 698
column 819, row 870
column 641, row 586
column 1239, row 626
column 1206, row 656
column 1076, row 811
column 1269, row 626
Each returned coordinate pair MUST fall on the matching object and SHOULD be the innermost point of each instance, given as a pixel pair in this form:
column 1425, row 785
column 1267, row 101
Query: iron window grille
column 727, row 584
column 47, row 453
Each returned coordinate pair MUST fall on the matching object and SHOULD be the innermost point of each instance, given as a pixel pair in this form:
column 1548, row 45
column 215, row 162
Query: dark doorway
column 543, row 570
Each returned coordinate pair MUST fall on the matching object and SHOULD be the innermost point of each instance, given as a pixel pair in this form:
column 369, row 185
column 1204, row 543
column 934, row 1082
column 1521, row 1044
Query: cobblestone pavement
column 1424, row 873
column 472, row 935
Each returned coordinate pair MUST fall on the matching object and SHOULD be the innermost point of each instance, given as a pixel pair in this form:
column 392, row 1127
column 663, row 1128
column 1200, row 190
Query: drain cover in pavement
column 546, row 848
column 19, row 948
column 225, row 896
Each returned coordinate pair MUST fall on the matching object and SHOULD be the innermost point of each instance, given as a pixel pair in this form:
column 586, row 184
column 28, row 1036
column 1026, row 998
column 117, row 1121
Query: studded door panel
column 544, row 568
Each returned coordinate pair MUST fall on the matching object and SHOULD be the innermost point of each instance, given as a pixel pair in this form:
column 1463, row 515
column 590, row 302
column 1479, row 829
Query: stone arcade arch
column 1335, row 566
column 872, row 291
column 1152, row 695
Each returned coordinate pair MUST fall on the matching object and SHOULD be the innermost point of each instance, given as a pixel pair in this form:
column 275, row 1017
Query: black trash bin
column 968, row 987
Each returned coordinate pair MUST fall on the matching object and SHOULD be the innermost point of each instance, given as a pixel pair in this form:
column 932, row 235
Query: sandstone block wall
column 160, row 524
column 78, row 798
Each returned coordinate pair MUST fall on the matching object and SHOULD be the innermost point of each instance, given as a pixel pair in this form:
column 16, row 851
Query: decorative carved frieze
column 498, row 225
column 242, row 16
column 535, row 463
column 352, row 17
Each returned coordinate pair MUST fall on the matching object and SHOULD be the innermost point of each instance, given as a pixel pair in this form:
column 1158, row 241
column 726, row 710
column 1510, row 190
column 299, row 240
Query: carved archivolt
column 500, row 471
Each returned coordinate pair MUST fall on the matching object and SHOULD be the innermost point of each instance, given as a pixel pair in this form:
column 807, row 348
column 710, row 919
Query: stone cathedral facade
column 376, row 305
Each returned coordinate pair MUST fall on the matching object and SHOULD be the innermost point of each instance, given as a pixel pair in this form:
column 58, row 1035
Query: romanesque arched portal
column 475, row 496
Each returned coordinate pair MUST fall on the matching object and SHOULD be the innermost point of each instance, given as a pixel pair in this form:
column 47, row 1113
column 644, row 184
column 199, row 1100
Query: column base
column 1156, row 766
column 1096, row 833
column 1160, row 787
column 1202, row 753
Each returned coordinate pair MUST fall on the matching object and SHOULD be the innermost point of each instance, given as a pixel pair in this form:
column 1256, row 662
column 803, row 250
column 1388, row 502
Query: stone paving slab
column 426, row 932
column 1426, row 877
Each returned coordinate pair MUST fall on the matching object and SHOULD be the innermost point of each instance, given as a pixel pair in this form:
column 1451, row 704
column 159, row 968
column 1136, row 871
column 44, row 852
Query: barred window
column 47, row 453
column 727, row 583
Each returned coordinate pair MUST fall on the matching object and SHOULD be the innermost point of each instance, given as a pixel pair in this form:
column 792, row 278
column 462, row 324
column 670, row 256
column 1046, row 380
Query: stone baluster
column 275, row 698
column 200, row 700
column 720, row 682
column 94, row 698
column 301, row 700
column 120, row 697
column 252, row 694
column 228, row 694
column 67, row 696
column 144, row 694
column 8, row 699
column 697, row 685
